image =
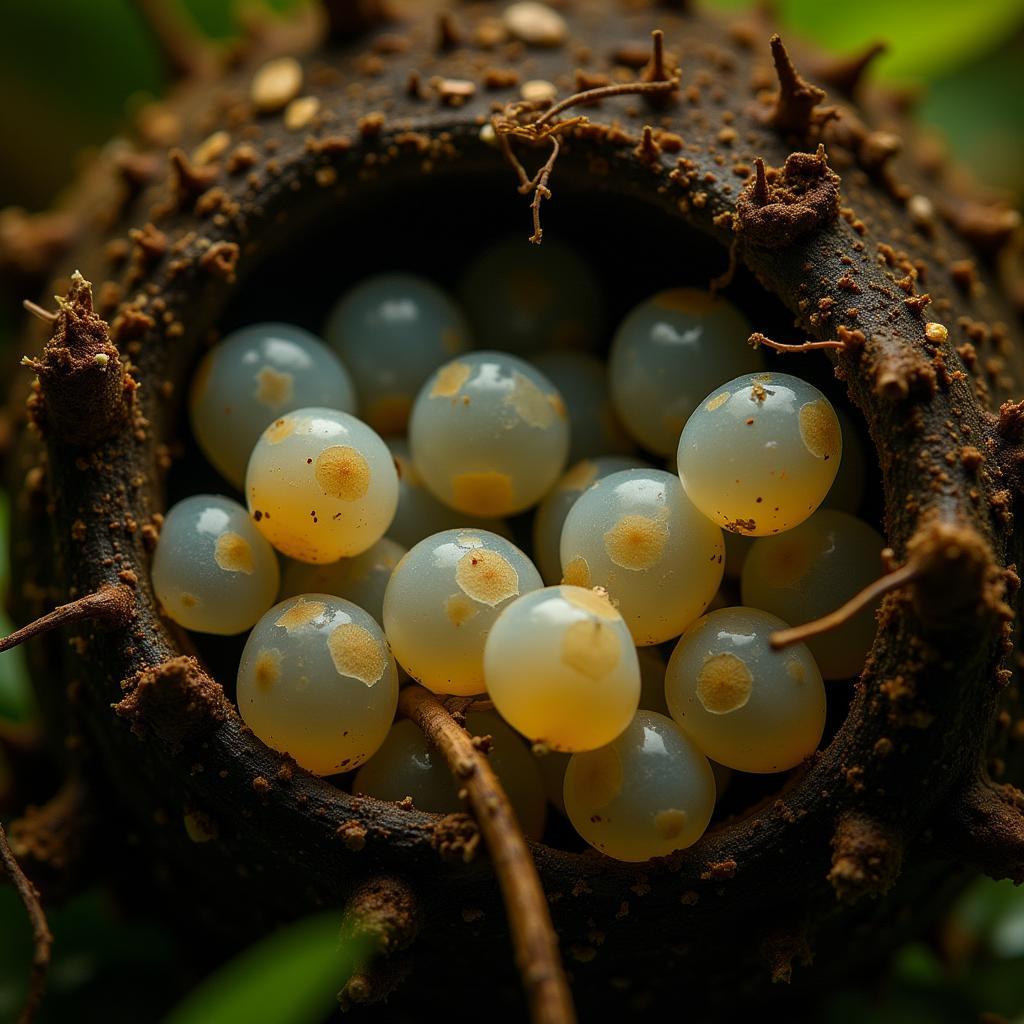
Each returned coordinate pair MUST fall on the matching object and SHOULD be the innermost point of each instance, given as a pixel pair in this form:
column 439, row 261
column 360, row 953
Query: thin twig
column 757, row 338
column 603, row 92
column 867, row 597
column 115, row 603
column 38, row 312
column 41, row 936
column 533, row 935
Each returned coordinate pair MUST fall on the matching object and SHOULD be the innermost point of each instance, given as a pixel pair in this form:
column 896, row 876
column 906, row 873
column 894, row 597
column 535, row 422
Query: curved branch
column 40, row 930
column 533, row 935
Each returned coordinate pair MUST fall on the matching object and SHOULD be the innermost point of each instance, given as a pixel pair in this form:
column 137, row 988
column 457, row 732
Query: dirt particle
column 636, row 542
column 535, row 24
column 538, row 90
column 356, row 652
column 275, row 84
column 343, row 472
column 936, row 333
column 300, row 112
column 724, row 684
column 233, row 553
column 487, row 576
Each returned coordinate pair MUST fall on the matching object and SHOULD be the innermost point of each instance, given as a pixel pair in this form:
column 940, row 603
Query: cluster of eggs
column 399, row 555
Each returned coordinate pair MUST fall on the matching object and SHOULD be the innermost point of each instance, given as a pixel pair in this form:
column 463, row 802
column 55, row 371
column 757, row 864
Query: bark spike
column 988, row 829
column 794, row 112
column 845, row 74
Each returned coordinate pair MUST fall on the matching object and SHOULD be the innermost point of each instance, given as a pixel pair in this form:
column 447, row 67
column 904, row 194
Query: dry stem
column 41, row 936
column 867, row 597
column 115, row 603
column 757, row 338
column 533, row 935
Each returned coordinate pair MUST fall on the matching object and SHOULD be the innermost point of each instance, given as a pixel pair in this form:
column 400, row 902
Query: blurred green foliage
column 72, row 71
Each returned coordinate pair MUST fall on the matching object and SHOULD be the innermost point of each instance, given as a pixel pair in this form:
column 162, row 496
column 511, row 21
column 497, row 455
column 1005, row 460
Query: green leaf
column 291, row 977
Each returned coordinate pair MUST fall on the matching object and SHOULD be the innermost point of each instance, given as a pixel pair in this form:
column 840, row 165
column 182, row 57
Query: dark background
column 71, row 73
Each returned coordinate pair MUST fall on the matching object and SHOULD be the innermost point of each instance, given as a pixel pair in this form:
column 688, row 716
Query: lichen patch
column 280, row 429
column 459, row 609
column 636, row 542
column 233, row 553
column 343, row 472
column 450, row 379
column 594, row 600
column 484, row 494
column 487, row 576
column 591, row 648
column 724, row 684
column 300, row 614
column 530, row 403
column 356, row 652
column 266, row 670
column 819, row 429
column 274, row 387
column 670, row 823
column 577, row 572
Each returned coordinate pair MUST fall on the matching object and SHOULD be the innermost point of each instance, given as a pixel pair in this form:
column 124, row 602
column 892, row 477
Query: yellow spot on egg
column 795, row 670
column 580, row 477
column 819, row 429
column 459, row 609
column 469, row 540
column 530, row 403
column 449, row 379
column 484, row 494
column 487, row 576
column 300, row 614
column 233, row 553
column 356, row 652
column 718, row 401
column 188, row 600
column 343, row 473
column 577, row 572
column 389, row 415
column 670, row 824
column 790, row 563
column 279, row 430
column 274, row 387
column 591, row 648
column 685, row 300
column 600, row 777
column 595, row 601
column 267, row 667
column 636, row 542
column 724, row 683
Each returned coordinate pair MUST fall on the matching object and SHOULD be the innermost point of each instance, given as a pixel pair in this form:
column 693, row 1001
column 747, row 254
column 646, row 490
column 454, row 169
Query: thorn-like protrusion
column 794, row 112
column 877, row 149
column 448, row 35
column 866, row 857
column 760, row 193
column 383, row 912
column 845, row 74
column 84, row 394
column 659, row 69
column 347, row 19
column 987, row 829
column 114, row 605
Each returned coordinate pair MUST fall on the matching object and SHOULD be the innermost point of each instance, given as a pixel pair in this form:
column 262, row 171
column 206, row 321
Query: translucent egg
column 652, row 680
column 746, row 706
column 847, row 491
column 361, row 579
column 419, row 513
column 317, row 681
column 636, row 534
column 489, row 434
column 810, row 571
column 551, row 512
column 561, row 668
column 647, row 793
column 251, row 378
column 443, row 599
column 526, row 298
column 321, row 485
column 760, row 453
column 407, row 766
column 212, row 571
column 393, row 331
column 667, row 354
column 582, row 381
